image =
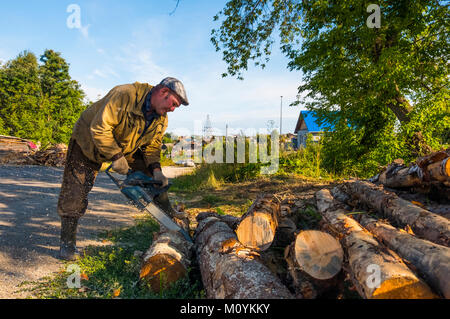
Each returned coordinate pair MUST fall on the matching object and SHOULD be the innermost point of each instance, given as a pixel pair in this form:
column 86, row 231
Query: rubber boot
column 68, row 250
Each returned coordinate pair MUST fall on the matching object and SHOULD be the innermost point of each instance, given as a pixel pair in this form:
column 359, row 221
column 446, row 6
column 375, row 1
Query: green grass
column 308, row 218
column 211, row 199
column 115, row 268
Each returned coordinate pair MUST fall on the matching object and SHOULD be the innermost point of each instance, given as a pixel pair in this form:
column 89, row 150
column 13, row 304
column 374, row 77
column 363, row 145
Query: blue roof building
column 306, row 124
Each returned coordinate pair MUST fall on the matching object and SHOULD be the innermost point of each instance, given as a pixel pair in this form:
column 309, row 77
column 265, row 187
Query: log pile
column 376, row 271
column 423, row 223
column 357, row 238
column 14, row 150
column 429, row 175
column 19, row 151
column 230, row 270
column 54, row 156
column 411, row 234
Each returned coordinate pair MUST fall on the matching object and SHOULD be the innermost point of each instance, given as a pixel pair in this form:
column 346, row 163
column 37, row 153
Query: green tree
column 384, row 82
column 39, row 101
column 62, row 96
column 20, row 97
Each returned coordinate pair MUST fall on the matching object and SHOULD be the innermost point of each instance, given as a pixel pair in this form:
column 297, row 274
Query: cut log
column 431, row 260
column 376, row 271
column 258, row 225
column 425, row 224
column 318, row 254
column 400, row 176
column 166, row 261
column 168, row 258
column 435, row 166
column 439, row 171
column 314, row 259
column 230, row 270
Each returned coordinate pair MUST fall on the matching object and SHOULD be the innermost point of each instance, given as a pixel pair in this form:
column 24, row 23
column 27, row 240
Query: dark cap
column 176, row 86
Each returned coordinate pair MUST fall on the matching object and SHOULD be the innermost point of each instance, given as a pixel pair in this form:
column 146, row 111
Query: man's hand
column 159, row 176
column 121, row 166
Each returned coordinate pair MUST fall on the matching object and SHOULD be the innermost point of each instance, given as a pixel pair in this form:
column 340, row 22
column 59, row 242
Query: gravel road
column 30, row 225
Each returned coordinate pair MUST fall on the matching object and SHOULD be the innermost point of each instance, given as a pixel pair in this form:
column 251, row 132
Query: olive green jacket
column 113, row 126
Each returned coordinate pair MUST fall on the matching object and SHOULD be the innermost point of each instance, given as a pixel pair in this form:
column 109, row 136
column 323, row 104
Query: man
column 125, row 127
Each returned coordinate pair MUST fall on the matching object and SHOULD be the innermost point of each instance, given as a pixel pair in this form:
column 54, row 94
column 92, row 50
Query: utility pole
column 281, row 116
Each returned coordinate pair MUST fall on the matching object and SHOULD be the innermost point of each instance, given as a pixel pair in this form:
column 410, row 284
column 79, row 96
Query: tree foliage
column 39, row 101
column 372, row 85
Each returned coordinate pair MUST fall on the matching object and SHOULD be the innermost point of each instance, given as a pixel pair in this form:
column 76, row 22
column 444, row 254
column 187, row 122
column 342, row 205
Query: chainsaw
column 141, row 190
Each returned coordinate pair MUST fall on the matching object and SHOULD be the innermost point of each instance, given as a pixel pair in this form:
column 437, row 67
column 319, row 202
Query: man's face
column 164, row 101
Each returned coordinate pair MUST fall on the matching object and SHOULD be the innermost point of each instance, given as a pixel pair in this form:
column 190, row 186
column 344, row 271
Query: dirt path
column 29, row 224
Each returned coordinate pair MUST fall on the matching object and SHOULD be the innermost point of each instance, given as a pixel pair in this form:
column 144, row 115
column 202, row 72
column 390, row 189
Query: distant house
column 306, row 124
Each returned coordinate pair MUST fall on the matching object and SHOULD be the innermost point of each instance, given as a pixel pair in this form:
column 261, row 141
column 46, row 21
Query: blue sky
column 126, row 41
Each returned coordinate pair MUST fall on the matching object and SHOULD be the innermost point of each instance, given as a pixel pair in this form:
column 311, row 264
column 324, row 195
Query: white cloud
column 105, row 73
column 139, row 62
column 93, row 94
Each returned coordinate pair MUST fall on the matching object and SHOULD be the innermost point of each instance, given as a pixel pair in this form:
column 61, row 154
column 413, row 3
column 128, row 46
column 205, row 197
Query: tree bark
column 431, row 260
column 230, row 270
column 400, row 176
column 425, row 224
column 231, row 221
column 258, row 225
column 166, row 261
column 377, row 272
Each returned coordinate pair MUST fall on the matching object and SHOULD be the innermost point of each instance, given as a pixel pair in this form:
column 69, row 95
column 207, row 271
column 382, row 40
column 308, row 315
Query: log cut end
column 318, row 254
column 166, row 261
column 440, row 171
column 256, row 231
column 160, row 271
column 403, row 288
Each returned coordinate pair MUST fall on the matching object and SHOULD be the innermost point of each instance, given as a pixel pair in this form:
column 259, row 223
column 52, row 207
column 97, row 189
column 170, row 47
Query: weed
column 113, row 271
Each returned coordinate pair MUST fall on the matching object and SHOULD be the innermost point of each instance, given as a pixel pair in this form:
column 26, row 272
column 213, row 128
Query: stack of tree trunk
column 19, row 151
column 229, row 269
column 375, row 270
column 413, row 235
column 265, row 254
column 381, row 261
column 424, row 224
column 54, row 156
column 14, row 150
column 233, row 254
column 429, row 174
